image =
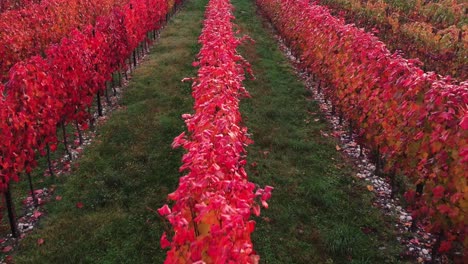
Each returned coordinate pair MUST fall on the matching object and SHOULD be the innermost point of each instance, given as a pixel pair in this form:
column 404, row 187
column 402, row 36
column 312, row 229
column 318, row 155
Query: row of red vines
column 29, row 31
column 416, row 121
column 214, row 200
column 45, row 92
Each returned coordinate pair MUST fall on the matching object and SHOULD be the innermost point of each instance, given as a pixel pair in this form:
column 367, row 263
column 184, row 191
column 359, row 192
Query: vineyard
column 218, row 131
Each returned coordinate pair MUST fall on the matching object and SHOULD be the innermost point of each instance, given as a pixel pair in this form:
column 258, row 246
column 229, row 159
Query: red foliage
column 29, row 31
column 417, row 120
column 214, row 200
column 6, row 5
column 43, row 92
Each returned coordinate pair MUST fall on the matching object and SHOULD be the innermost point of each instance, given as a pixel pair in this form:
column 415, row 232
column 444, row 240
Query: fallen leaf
column 7, row 249
column 79, row 205
column 324, row 134
column 58, row 198
column 40, row 241
column 37, row 214
column 370, row 188
column 337, row 133
column 337, row 147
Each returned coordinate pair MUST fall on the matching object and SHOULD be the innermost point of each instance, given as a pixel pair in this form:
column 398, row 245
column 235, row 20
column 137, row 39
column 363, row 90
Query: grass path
column 317, row 212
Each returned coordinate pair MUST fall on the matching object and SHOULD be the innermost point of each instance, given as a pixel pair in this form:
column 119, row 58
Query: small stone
column 411, row 249
column 425, row 251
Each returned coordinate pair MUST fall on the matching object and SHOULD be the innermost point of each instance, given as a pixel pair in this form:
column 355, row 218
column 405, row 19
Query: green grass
column 317, row 210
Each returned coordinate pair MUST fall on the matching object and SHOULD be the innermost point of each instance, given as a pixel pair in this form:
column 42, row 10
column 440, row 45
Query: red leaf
column 37, row 214
column 7, row 249
column 256, row 209
column 58, row 198
column 438, row 192
column 445, row 246
column 40, row 241
column 464, row 122
column 53, row 147
column 164, row 242
column 165, row 210
column 443, row 208
column 79, row 205
column 251, row 226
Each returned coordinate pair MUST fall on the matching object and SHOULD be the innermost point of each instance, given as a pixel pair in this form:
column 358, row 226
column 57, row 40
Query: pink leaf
column 37, row 214
column 7, row 249
column 165, row 210
column 164, row 241
column 464, row 122
column 438, row 192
